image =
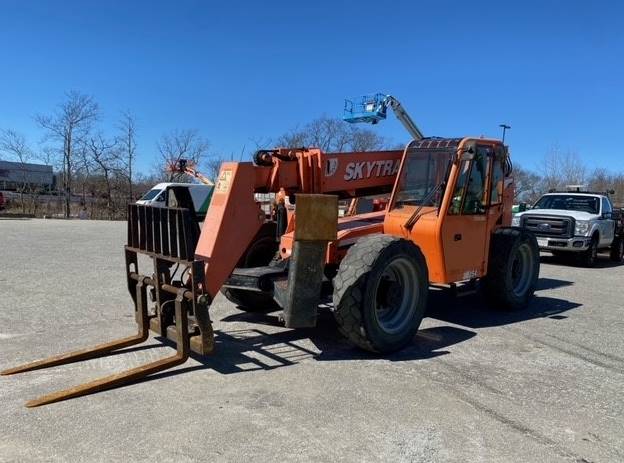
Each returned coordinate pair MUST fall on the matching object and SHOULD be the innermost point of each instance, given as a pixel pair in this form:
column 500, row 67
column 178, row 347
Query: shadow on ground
column 473, row 311
column 257, row 348
column 603, row 261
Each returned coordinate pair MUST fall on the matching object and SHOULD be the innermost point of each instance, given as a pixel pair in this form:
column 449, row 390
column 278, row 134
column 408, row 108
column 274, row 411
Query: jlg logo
column 368, row 169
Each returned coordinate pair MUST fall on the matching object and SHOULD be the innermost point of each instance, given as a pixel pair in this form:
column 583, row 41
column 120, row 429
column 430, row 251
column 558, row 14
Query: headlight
column 581, row 228
column 515, row 221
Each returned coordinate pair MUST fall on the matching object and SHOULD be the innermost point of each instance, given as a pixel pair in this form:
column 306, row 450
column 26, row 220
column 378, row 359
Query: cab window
column 458, row 194
column 606, row 207
column 475, row 198
column 150, row 195
column 498, row 177
column 469, row 197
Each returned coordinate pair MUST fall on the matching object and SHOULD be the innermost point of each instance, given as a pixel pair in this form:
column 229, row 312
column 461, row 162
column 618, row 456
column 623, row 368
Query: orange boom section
column 234, row 217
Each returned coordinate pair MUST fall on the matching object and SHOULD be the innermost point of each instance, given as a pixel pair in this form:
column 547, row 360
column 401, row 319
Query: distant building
column 15, row 175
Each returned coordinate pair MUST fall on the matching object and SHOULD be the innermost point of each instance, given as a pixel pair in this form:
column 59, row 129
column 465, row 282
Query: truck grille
column 548, row 225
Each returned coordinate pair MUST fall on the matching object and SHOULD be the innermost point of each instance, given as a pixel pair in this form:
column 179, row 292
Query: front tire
column 513, row 269
column 380, row 293
column 590, row 256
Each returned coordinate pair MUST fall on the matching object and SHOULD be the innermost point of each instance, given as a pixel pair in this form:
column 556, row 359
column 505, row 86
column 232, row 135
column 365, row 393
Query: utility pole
column 505, row 127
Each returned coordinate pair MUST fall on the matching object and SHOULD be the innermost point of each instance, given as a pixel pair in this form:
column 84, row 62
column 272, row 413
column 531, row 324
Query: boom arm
column 403, row 117
column 186, row 167
column 373, row 108
column 234, row 218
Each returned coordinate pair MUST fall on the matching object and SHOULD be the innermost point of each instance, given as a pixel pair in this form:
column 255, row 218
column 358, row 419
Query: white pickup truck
column 579, row 223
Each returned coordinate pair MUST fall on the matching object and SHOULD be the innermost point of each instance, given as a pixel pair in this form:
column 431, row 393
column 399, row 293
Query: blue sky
column 241, row 71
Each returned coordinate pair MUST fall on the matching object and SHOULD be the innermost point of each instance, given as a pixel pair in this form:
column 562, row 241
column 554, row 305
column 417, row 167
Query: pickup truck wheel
column 380, row 293
column 617, row 249
column 513, row 269
column 588, row 257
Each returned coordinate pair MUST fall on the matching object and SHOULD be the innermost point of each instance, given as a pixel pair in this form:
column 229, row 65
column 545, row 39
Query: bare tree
column 83, row 168
column 600, row 180
column 14, row 145
column 332, row 135
column 69, row 126
column 103, row 155
column 127, row 149
column 213, row 166
column 180, row 144
column 562, row 168
column 366, row 140
column 603, row 180
column 528, row 185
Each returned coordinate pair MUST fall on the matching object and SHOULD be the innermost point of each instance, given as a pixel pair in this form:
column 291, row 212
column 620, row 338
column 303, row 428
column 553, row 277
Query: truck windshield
column 582, row 203
column 150, row 195
column 421, row 180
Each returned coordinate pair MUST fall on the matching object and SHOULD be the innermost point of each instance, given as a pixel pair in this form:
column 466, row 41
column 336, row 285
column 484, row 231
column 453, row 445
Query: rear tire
column 617, row 249
column 380, row 293
column 513, row 269
column 259, row 253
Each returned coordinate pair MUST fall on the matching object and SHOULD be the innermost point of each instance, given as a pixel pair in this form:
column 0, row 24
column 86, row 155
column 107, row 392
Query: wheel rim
column 396, row 296
column 521, row 270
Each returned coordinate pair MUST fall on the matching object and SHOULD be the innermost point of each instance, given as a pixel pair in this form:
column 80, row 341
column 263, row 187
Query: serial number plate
column 542, row 242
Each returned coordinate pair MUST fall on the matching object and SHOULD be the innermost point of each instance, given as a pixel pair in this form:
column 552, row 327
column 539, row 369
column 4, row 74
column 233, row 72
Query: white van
column 158, row 196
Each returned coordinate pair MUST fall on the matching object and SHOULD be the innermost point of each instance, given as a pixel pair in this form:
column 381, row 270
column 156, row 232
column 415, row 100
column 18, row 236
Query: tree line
column 96, row 170
column 561, row 169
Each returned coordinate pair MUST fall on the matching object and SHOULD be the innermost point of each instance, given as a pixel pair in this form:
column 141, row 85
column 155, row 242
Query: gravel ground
column 545, row 384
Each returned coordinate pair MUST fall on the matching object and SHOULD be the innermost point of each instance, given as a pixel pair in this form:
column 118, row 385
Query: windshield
column 150, row 195
column 422, row 178
column 589, row 204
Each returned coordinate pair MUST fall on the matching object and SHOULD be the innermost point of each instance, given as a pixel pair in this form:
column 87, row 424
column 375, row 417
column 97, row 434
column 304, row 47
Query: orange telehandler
column 447, row 222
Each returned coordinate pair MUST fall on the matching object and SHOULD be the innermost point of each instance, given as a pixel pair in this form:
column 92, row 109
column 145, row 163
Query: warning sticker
column 225, row 179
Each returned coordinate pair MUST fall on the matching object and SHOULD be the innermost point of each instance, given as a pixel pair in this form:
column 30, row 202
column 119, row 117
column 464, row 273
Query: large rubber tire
column 589, row 257
column 380, row 293
column 260, row 252
column 617, row 249
column 513, row 269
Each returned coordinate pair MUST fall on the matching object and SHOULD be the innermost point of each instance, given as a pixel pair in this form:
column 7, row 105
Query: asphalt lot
column 545, row 384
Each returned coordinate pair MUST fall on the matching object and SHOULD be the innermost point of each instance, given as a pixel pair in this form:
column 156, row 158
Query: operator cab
column 453, row 189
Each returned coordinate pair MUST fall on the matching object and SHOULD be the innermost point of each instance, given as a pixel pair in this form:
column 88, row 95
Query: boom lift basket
column 368, row 108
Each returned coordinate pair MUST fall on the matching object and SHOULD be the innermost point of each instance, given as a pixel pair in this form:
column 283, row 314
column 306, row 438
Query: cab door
column 464, row 229
column 606, row 223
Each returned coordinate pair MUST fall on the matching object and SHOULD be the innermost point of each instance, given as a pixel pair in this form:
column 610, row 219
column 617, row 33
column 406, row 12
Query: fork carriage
column 169, row 237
